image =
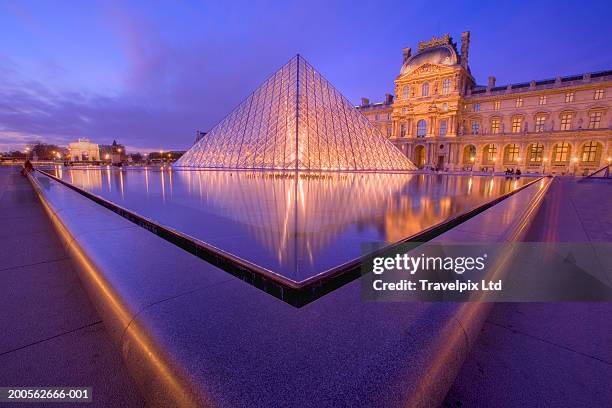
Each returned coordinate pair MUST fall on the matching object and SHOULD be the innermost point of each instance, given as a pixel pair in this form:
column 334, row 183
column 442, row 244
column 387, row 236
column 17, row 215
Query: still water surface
column 295, row 226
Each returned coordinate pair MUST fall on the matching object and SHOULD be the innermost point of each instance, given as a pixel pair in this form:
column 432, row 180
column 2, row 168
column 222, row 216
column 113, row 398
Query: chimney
column 406, row 52
column 388, row 99
column 491, row 82
column 465, row 48
column 365, row 101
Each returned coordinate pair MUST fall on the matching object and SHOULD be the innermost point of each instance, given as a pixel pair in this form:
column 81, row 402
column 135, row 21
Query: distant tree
column 45, row 151
column 136, row 157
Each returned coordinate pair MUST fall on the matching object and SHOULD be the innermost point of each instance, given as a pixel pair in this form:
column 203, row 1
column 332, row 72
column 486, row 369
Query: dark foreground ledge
column 192, row 335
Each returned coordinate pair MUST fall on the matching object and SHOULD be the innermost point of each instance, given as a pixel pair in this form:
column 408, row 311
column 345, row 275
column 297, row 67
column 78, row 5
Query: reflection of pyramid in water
column 296, row 120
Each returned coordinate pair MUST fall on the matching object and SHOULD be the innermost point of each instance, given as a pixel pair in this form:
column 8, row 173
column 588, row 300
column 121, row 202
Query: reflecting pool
column 296, row 226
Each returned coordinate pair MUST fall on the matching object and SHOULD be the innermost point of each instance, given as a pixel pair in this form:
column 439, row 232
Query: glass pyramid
column 296, row 120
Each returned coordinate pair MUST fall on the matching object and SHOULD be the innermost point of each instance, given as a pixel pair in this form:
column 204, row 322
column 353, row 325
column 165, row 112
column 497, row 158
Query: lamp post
column 544, row 165
column 27, row 151
column 575, row 160
column 494, row 160
column 472, row 165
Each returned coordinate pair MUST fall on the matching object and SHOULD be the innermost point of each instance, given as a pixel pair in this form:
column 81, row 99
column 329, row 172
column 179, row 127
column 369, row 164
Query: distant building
column 441, row 118
column 199, row 136
column 83, row 151
column 114, row 153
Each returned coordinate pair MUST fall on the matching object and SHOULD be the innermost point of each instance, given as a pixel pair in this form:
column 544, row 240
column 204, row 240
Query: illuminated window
column 475, row 127
column 497, row 105
column 517, row 124
column 446, row 86
column 403, row 130
column 495, row 125
column 594, row 120
column 540, row 120
column 445, row 107
column 421, row 128
column 566, row 121
column 519, row 102
column 490, row 153
column 589, row 152
column 476, row 107
column 536, row 153
column 599, row 94
column 425, row 89
column 561, row 152
column 569, row 97
column 511, row 153
column 443, row 127
column 542, row 100
column 405, row 92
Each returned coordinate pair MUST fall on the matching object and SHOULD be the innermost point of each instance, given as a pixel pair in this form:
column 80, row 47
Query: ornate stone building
column 440, row 118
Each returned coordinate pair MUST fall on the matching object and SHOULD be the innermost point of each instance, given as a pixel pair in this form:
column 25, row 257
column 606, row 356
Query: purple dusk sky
column 148, row 74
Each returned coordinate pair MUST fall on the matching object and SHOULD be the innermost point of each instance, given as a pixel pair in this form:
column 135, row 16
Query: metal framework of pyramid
column 296, row 120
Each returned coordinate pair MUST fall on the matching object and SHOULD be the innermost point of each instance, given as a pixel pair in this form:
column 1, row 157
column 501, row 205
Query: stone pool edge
column 164, row 379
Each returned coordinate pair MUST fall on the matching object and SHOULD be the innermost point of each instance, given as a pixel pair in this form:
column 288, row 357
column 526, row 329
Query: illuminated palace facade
column 440, row 118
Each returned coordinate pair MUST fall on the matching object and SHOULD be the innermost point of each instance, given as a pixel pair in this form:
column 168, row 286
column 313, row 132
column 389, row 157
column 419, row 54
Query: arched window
column 425, row 89
column 421, row 128
column 446, row 84
column 469, row 154
column 405, row 92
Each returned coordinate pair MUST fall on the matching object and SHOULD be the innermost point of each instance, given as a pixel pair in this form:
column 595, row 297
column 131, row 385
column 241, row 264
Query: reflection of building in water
column 86, row 179
column 297, row 217
column 83, row 150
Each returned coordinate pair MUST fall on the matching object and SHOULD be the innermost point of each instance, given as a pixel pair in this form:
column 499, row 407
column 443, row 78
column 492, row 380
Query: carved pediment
column 426, row 69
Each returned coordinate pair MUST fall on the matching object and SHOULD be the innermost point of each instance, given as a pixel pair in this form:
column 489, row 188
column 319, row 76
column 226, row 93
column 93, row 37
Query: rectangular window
column 403, row 130
column 512, row 152
column 561, row 153
column 536, row 153
column 475, row 128
column 599, row 94
column 446, row 86
column 566, row 121
column 519, row 102
column 476, row 107
column 542, row 100
column 589, row 152
column 495, row 126
column 594, row 120
column 443, row 127
column 569, row 97
column 539, row 123
column 497, row 105
column 517, row 124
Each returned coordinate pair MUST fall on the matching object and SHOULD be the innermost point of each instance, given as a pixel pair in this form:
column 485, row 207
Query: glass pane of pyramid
column 296, row 120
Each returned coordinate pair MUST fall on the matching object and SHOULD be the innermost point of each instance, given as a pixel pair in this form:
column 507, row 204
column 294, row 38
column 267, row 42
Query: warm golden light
column 296, row 120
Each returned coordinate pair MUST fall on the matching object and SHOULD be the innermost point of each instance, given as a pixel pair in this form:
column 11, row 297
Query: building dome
column 441, row 55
